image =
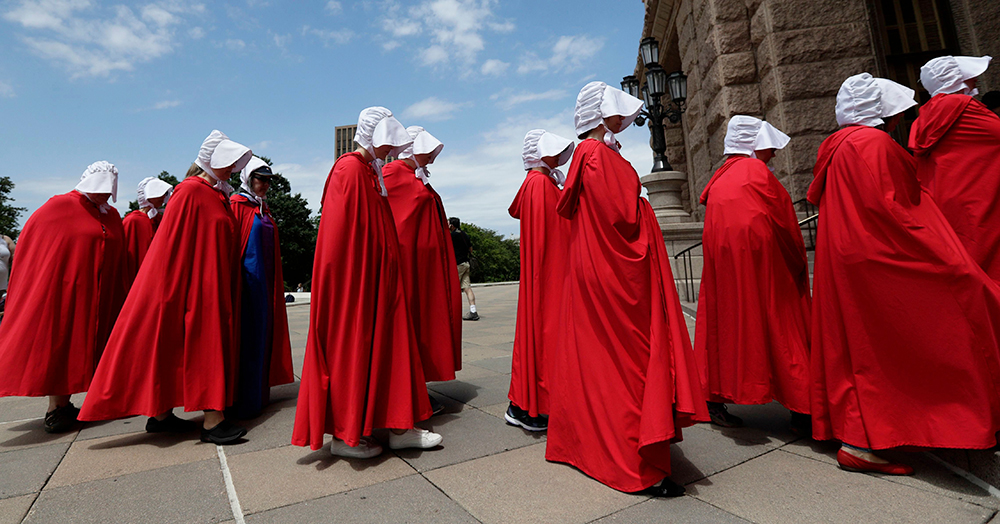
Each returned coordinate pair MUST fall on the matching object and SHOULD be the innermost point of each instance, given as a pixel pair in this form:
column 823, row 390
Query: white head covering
column 254, row 164
column 424, row 143
column 539, row 143
column 746, row 134
column 598, row 101
column 100, row 177
column 896, row 98
column 152, row 187
column 948, row 74
column 376, row 128
column 216, row 156
column 859, row 102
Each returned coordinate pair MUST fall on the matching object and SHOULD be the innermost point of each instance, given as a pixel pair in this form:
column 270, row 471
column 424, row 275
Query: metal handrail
column 807, row 226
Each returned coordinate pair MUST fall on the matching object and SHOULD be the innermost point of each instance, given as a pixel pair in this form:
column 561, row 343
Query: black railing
column 685, row 259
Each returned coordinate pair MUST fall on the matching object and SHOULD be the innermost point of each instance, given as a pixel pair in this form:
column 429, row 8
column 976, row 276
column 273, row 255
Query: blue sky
column 142, row 84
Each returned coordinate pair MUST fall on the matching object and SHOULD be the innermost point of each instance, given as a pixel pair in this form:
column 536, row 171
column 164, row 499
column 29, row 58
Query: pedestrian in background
column 463, row 253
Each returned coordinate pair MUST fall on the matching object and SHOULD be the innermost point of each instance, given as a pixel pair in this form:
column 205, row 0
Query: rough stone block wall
column 804, row 50
column 977, row 23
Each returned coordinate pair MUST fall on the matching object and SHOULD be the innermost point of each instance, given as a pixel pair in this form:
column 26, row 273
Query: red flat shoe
column 849, row 462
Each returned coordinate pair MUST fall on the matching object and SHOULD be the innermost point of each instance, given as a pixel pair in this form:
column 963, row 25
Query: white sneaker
column 414, row 438
column 367, row 448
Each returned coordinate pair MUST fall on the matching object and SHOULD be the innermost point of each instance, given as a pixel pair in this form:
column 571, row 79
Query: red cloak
column 956, row 141
column 623, row 377
column 752, row 335
column 281, row 349
column 362, row 368
column 905, row 324
column 139, row 231
column 176, row 341
column 65, row 292
column 427, row 265
column 544, row 245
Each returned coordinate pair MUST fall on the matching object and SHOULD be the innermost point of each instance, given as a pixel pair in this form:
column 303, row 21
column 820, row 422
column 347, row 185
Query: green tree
column 9, row 214
column 297, row 231
column 499, row 258
column 164, row 176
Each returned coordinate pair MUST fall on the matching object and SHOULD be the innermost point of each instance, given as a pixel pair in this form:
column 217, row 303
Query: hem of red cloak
column 912, row 444
column 630, row 490
column 35, row 394
column 439, row 378
column 537, row 406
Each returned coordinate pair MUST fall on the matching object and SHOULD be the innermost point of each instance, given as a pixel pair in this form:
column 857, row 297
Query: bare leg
column 57, row 401
column 213, row 418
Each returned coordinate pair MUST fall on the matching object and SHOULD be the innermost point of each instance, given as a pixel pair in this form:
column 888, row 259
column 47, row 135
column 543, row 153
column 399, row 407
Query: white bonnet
column 100, row 177
column 598, row 101
column 539, row 143
column 948, row 74
column 746, row 134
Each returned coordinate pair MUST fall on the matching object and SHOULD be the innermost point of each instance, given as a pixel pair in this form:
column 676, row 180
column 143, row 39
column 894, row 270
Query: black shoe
column 667, row 488
column 471, row 316
column 224, row 432
column 720, row 416
column 436, row 407
column 61, row 419
column 171, row 424
column 801, row 424
column 516, row 416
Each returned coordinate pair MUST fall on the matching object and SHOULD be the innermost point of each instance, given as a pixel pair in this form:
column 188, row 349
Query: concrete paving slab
column 931, row 476
column 110, row 428
column 119, row 455
column 823, row 451
column 478, row 392
column 471, row 371
column 782, row 487
column 497, row 365
column 12, row 510
column 23, row 408
column 765, row 424
column 271, row 429
column 497, row 410
column 487, row 339
column 408, row 499
column 29, row 434
column 519, row 486
column 469, row 435
column 283, row 476
column 475, row 353
column 704, row 452
column 26, row 471
column 186, row 493
column 681, row 510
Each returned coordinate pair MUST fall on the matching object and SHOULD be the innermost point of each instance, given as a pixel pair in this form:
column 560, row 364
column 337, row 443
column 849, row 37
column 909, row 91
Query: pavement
column 485, row 471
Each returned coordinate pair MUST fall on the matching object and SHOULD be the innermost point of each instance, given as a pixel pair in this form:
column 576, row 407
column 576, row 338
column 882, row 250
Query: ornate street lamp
column 658, row 83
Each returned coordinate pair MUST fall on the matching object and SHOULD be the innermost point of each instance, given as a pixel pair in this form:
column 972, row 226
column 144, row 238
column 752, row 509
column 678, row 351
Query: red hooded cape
column 175, row 343
column 427, row 265
column 623, row 377
column 956, row 141
column 362, row 368
column 64, row 295
column 905, row 347
column 752, row 335
column 139, row 231
column 544, row 246
column 281, row 350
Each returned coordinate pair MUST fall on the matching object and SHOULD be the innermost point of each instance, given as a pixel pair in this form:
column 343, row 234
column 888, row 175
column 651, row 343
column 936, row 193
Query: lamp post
column 662, row 183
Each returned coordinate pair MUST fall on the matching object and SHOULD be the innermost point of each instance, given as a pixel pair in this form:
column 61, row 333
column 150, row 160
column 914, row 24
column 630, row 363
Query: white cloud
column 89, row 40
column 334, row 7
column 502, row 27
column 196, row 33
column 508, row 99
column 6, row 90
column 167, row 104
column 434, row 54
column 433, row 109
column 281, row 41
column 494, row 67
column 389, row 45
column 569, row 53
column 235, row 44
column 329, row 37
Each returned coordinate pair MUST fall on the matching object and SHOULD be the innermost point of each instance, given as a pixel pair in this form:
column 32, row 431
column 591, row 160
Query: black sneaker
column 720, row 416
column 436, row 407
column 665, row 489
column 61, row 419
column 171, row 424
column 471, row 316
column 224, row 432
column 516, row 416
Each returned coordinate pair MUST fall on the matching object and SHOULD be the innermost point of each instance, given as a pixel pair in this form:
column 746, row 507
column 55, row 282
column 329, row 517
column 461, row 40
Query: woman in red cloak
column 905, row 347
column 176, row 342
column 752, row 335
column 427, row 259
column 544, row 245
column 64, row 296
column 140, row 225
column 265, row 349
column 362, row 369
column 624, row 379
column 956, row 142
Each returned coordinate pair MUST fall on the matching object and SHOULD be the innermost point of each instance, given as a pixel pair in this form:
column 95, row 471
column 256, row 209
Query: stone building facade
column 784, row 60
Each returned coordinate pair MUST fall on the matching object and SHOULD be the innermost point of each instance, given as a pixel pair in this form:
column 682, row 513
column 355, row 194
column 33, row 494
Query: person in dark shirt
column 463, row 250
